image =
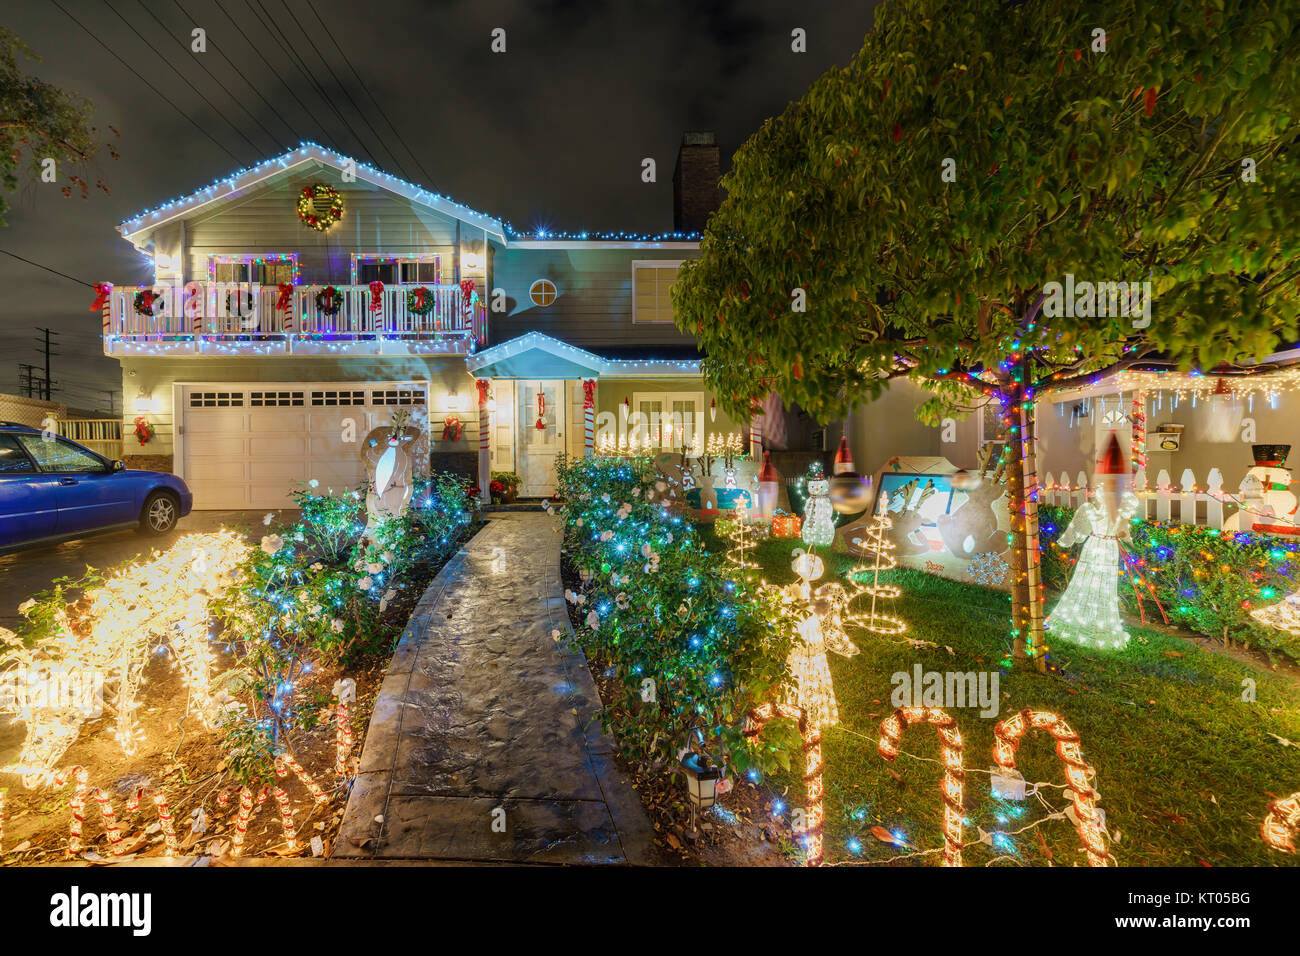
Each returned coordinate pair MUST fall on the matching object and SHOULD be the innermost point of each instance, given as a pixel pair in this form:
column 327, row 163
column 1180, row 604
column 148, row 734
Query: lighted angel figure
column 387, row 450
column 1088, row 612
column 820, row 629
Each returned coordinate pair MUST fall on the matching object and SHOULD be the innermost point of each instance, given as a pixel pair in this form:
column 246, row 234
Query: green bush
column 1207, row 580
column 691, row 650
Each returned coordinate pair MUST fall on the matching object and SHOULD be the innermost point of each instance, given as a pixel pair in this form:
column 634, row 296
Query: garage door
column 248, row 446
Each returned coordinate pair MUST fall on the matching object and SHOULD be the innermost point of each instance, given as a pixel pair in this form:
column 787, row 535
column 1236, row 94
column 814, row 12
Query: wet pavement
column 485, row 744
column 25, row 573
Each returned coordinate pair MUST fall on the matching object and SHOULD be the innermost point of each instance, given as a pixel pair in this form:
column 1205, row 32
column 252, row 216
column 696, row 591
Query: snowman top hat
column 1270, row 456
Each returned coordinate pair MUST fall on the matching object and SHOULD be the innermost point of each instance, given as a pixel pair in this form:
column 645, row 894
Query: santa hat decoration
column 843, row 457
column 1112, row 461
column 768, row 472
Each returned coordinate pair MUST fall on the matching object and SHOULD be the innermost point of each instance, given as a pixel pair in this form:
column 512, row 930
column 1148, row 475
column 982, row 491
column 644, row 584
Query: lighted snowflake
column 988, row 568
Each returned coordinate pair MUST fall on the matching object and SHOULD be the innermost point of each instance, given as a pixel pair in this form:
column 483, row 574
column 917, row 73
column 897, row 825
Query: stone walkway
column 483, row 711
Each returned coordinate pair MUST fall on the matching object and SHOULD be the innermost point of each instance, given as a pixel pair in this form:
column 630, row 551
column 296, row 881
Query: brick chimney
column 695, row 182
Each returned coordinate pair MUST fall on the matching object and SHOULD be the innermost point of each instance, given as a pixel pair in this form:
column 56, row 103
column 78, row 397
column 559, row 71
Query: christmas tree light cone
column 881, row 548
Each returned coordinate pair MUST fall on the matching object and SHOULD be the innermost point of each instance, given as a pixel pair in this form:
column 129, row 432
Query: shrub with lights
column 1206, row 580
column 691, row 650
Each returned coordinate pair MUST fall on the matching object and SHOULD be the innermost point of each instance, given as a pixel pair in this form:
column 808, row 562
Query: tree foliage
column 1122, row 165
column 40, row 121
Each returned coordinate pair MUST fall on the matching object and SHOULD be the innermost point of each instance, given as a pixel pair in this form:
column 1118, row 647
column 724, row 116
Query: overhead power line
column 193, row 122
column 14, row 255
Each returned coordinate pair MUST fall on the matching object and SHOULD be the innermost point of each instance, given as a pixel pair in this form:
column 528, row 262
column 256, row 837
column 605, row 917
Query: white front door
column 539, row 403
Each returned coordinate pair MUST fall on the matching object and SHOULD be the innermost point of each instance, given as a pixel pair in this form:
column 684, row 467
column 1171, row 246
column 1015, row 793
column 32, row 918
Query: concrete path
column 484, row 745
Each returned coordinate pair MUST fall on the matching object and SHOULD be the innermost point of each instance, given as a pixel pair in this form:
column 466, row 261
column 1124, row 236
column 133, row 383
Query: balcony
column 211, row 318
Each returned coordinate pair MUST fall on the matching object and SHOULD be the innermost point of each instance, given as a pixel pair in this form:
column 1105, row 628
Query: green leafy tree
column 40, row 121
column 919, row 200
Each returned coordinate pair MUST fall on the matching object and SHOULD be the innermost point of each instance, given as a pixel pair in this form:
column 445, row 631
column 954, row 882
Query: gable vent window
column 397, row 396
column 542, row 292
column 274, row 399
column 339, row 397
column 216, row 399
column 652, row 284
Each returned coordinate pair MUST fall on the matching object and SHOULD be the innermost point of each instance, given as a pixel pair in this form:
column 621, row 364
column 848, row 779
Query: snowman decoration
column 1266, row 502
column 818, row 513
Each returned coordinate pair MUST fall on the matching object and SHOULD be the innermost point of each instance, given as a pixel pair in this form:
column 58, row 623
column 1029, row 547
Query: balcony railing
column 214, row 318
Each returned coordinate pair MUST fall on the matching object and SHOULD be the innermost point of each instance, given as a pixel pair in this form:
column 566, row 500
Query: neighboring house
column 262, row 356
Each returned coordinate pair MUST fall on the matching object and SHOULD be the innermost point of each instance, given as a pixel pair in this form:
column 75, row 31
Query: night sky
column 549, row 134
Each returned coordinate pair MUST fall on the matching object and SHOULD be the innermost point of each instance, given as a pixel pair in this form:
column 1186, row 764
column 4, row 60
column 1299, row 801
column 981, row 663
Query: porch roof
column 538, row 356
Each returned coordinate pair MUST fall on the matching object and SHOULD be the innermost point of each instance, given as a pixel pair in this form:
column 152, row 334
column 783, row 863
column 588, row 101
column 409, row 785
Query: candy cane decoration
column 164, row 814
column 286, row 817
column 2, row 820
column 756, row 434
column 245, row 812
column 954, row 777
column 77, row 808
column 484, row 464
column 1008, row 734
column 346, row 692
column 284, row 763
column 1282, row 823
column 814, row 812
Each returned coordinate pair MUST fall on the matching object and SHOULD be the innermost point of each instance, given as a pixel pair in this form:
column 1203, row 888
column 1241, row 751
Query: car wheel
column 160, row 513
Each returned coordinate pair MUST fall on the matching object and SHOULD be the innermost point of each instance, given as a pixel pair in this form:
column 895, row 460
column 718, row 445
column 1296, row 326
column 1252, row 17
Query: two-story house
column 298, row 304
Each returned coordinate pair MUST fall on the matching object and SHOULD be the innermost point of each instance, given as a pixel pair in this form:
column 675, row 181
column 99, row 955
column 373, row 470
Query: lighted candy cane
column 286, row 817
column 588, row 415
column 814, row 813
column 2, row 820
column 1282, row 823
column 346, row 692
column 284, row 763
column 245, row 811
column 164, row 814
column 954, row 777
column 77, row 809
column 1008, row 734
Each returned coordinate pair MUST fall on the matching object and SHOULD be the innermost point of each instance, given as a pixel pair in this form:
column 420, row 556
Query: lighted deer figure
column 387, row 450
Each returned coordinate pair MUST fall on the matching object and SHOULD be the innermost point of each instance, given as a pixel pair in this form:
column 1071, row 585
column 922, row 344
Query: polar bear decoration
column 1266, row 502
column 387, row 452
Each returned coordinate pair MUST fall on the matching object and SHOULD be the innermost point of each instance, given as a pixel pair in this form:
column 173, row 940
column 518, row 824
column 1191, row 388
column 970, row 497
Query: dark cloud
column 552, row 132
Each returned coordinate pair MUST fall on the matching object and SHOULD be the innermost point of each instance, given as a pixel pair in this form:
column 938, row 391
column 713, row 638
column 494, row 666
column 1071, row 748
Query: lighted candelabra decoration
column 1008, row 735
column 954, row 777
column 1088, row 612
column 877, row 542
column 117, row 626
column 1282, row 823
column 814, row 790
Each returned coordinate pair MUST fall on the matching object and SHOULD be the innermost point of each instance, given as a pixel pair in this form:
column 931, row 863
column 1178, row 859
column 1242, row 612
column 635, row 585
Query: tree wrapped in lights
column 853, row 196
column 114, row 630
column 1088, row 612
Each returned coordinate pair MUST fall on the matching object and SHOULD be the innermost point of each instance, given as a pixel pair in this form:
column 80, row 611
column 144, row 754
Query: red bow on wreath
column 466, row 290
column 102, row 291
column 376, row 296
column 451, row 428
column 285, row 301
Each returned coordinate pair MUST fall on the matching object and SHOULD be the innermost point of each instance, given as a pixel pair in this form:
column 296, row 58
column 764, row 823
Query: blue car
column 52, row 489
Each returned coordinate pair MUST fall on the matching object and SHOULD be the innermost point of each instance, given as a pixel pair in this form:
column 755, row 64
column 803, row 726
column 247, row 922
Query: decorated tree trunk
column 1022, row 488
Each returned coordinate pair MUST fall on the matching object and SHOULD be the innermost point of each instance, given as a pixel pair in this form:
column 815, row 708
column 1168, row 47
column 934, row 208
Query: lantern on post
column 701, row 783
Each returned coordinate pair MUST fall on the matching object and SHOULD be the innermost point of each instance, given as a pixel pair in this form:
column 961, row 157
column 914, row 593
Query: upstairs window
column 270, row 269
column 408, row 270
column 652, row 284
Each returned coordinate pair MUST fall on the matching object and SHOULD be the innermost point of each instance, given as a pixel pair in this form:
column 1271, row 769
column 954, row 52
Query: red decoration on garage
column 143, row 430
column 451, row 428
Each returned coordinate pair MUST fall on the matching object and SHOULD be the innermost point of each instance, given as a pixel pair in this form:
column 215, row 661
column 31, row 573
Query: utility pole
column 48, row 353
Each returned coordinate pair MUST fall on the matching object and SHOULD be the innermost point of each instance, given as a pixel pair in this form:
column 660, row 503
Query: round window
column 542, row 292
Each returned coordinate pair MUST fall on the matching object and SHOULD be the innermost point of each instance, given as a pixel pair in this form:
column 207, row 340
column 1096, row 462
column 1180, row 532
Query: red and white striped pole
column 756, row 435
column 589, row 417
column 484, row 463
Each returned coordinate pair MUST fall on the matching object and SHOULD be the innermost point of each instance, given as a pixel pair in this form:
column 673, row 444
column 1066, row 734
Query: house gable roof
column 538, row 356
column 245, row 180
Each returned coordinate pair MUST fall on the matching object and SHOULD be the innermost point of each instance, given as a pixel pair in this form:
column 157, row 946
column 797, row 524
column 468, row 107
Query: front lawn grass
column 1185, row 768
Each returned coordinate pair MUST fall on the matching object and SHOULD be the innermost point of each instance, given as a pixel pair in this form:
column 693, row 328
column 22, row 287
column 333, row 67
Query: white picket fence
column 1188, row 502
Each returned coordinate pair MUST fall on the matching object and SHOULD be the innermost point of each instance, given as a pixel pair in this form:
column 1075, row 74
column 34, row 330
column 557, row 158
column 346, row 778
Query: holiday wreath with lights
column 315, row 198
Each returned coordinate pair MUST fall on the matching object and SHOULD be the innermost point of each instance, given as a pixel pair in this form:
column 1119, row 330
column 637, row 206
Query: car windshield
column 55, row 454
column 13, row 461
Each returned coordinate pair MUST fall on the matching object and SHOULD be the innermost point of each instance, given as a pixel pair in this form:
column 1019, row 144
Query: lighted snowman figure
column 818, row 512
column 1266, row 501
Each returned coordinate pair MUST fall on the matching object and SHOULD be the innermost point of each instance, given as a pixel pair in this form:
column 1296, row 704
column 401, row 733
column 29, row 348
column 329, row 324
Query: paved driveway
column 27, row 572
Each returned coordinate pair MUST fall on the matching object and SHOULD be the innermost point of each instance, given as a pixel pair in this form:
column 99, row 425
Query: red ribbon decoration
column 541, row 412
column 102, row 291
column 376, row 296
column 482, row 385
column 466, row 290
column 451, row 428
column 143, row 430
column 285, row 301
column 589, row 393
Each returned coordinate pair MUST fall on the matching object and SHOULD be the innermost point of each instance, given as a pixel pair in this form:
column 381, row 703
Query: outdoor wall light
column 453, row 402
column 471, row 260
column 145, row 403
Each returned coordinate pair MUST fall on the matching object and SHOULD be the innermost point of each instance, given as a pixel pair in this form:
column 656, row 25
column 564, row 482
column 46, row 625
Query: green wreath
column 335, row 297
column 311, row 198
column 415, row 296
